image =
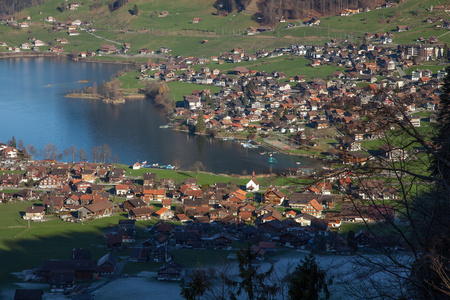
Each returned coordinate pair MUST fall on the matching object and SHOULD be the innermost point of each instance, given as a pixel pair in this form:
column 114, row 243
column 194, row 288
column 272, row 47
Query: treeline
column 272, row 10
column 99, row 154
column 226, row 6
column 9, row 7
column 109, row 89
column 116, row 4
column 159, row 92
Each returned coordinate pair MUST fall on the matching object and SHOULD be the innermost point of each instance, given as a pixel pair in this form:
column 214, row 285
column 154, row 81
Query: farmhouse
column 107, row 49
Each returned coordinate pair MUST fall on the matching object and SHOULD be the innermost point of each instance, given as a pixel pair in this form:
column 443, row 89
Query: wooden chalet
column 98, row 209
column 34, row 213
column 106, row 265
column 273, row 196
column 172, row 271
column 141, row 213
column 133, row 204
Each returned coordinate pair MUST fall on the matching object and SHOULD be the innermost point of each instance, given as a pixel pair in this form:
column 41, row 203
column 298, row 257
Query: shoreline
column 26, row 54
column 262, row 143
column 130, row 97
column 99, row 97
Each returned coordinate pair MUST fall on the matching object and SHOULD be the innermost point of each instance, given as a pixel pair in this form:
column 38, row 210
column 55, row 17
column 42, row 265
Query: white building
column 253, row 184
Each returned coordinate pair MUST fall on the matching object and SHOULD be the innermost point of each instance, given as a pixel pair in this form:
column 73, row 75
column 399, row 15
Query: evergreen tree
column 253, row 281
column 445, row 51
column 209, row 101
column 308, row 281
column 278, row 114
column 196, row 286
column 200, row 126
column 13, row 142
column 62, row 7
column 51, row 208
column 250, row 86
column 244, row 100
column 135, row 10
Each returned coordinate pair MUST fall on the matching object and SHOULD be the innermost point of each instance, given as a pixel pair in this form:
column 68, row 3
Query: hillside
column 8, row 7
column 171, row 24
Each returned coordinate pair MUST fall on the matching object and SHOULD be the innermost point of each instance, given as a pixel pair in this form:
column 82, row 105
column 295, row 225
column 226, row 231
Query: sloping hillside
column 170, row 23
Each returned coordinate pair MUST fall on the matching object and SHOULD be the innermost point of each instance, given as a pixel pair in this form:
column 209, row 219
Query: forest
column 270, row 11
column 9, row 7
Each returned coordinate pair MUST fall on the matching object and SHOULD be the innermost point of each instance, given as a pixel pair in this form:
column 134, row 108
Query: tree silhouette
column 252, row 280
column 196, row 286
column 197, row 167
column 200, row 126
column 135, row 10
column 13, row 143
column 308, row 281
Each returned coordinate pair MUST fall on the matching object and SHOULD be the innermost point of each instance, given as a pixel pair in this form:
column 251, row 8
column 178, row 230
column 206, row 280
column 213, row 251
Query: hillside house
column 107, row 49
column 34, row 213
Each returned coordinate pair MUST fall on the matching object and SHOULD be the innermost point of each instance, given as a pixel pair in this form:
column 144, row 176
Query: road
column 400, row 71
column 100, row 37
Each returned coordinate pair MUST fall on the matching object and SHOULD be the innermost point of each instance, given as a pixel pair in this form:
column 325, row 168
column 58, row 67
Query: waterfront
column 34, row 109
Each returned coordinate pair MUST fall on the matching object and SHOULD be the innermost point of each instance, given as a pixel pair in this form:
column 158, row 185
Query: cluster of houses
column 71, row 27
column 64, row 276
column 270, row 101
column 76, row 192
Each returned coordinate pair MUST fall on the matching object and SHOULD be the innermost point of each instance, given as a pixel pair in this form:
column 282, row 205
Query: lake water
column 33, row 108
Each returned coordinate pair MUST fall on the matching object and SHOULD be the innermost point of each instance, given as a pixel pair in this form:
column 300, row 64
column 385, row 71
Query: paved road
column 400, row 71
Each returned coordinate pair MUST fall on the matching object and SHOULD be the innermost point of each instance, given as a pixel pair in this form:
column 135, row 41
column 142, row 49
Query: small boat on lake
column 272, row 160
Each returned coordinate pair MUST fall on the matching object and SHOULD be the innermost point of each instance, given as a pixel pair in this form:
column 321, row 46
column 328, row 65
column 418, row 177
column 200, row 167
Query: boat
column 81, row 81
column 164, row 126
column 248, row 145
column 272, row 160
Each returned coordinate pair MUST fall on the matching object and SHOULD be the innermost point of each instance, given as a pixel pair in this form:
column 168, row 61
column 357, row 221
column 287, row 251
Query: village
column 186, row 215
column 293, row 114
column 349, row 119
column 267, row 108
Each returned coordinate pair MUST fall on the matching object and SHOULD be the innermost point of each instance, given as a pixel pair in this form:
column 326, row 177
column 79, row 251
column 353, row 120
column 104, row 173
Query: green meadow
column 178, row 31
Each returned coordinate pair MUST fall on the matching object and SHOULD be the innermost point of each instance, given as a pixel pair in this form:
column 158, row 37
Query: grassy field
column 178, row 89
column 179, row 33
column 179, row 176
column 23, row 247
column 434, row 68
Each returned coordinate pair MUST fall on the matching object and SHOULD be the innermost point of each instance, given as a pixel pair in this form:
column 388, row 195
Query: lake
column 33, row 109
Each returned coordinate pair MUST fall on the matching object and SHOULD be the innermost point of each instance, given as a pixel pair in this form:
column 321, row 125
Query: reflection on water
column 34, row 109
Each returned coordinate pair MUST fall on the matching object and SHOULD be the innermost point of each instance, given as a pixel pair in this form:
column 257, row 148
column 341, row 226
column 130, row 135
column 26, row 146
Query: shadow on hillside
column 29, row 252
